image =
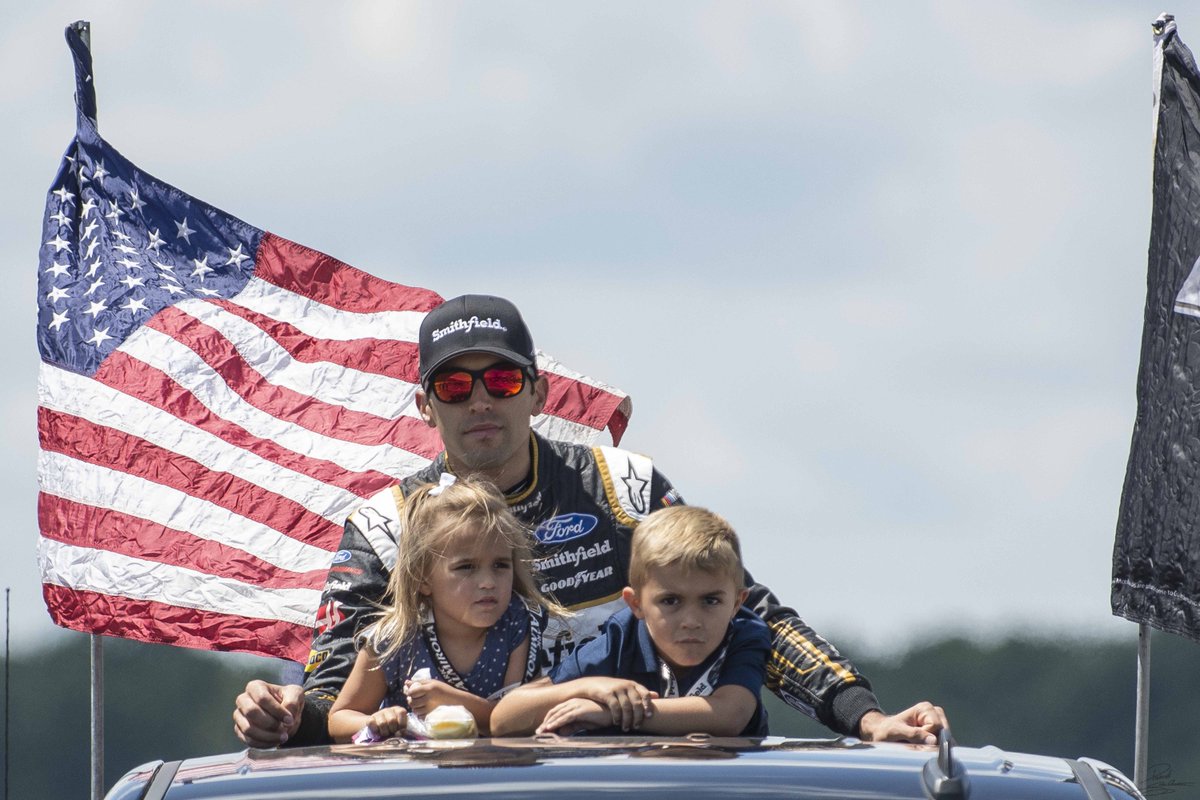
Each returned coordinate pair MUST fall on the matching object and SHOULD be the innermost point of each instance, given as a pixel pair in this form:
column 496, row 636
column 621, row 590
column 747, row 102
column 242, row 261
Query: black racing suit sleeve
column 356, row 584
column 807, row 672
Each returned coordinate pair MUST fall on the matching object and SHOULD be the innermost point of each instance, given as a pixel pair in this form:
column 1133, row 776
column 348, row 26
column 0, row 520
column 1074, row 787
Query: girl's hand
column 628, row 702
column 425, row 696
column 389, row 722
column 573, row 716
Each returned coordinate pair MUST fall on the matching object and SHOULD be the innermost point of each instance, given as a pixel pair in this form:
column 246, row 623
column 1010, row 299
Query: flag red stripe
column 88, row 526
column 123, row 452
column 161, row 623
column 390, row 357
column 617, row 425
column 312, row 274
column 209, row 344
column 580, row 402
column 134, row 378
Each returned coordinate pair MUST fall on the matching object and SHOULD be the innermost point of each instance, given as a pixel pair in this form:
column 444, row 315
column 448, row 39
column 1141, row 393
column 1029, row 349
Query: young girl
column 461, row 603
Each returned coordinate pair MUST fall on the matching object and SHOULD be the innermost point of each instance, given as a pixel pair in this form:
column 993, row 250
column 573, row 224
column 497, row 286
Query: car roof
column 685, row 767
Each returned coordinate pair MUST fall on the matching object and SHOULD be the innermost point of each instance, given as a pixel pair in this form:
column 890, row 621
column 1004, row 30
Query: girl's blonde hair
column 432, row 520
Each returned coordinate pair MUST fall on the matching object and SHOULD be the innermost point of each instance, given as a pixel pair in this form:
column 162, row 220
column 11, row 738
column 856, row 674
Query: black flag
column 1156, row 558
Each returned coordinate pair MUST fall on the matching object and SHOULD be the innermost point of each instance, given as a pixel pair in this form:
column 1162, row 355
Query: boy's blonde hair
column 433, row 520
column 687, row 536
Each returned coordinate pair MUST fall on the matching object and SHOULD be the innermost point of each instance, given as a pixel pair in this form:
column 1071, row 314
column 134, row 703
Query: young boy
column 685, row 657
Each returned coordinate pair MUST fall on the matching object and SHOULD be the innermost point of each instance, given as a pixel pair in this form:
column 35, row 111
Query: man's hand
column 628, row 702
column 266, row 715
column 919, row 724
column 572, row 716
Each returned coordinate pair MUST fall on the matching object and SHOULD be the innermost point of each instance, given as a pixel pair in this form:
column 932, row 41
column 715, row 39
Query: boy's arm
column 725, row 712
column 522, row 710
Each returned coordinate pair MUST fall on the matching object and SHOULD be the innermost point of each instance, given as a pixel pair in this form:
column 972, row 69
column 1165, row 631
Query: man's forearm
column 314, row 722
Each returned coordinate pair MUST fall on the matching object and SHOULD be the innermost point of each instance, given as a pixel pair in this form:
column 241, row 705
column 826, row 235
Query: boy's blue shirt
column 624, row 649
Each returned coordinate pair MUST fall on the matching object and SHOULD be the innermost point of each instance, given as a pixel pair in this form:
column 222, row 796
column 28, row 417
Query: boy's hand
column 628, row 702
column 425, row 696
column 573, row 716
column 389, row 722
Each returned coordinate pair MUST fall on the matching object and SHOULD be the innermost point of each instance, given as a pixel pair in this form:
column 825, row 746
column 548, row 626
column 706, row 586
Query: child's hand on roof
column 575, row 715
column 628, row 702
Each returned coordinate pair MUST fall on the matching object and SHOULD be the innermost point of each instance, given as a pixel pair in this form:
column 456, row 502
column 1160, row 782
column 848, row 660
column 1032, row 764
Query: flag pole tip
column 83, row 27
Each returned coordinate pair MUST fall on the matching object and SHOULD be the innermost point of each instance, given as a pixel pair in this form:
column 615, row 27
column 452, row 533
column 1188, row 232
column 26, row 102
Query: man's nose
column 479, row 399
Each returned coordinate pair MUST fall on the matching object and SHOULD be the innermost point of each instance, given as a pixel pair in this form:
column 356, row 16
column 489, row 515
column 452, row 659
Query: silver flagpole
column 84, row 29
column 97, row 644
column 97, row 716
column 1141, row 736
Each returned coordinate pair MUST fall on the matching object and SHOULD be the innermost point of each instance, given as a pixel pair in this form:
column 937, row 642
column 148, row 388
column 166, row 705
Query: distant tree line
column 1051, row 696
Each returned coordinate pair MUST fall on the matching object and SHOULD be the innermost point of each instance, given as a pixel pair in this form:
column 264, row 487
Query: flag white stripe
column 330, row 383
column 564, row 430
column 93, row 485
column 321, row 321
column 82, row 397
column 103, row 571
column 547, row 363
column 183, row 366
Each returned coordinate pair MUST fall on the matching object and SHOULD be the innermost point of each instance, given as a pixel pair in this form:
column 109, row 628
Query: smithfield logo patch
column 467, row 325
column 565, row 527
column 341, row 556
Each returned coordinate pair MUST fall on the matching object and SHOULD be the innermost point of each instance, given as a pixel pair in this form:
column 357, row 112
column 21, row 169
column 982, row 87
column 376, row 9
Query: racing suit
column 583, row 504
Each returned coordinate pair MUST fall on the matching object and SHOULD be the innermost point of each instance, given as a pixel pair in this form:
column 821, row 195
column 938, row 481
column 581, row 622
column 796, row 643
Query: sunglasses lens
column 453, row 387
column 504, row 382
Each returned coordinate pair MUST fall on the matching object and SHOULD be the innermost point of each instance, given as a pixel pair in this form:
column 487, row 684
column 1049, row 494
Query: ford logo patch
column 341, row 556
column 564, row 528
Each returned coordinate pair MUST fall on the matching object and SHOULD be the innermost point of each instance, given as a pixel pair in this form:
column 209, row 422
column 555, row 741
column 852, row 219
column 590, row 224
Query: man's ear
column 742, row 595
column 541, row 390
column 425, row 407
column 631, row 599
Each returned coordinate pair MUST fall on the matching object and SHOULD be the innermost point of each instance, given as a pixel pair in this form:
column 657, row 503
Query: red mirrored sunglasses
column 455, row 385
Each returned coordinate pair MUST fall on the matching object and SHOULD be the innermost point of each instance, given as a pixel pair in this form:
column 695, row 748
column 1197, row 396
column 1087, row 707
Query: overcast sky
column 873, row 273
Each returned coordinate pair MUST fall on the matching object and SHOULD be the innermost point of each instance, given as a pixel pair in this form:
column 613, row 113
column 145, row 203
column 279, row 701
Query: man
column 480, row 389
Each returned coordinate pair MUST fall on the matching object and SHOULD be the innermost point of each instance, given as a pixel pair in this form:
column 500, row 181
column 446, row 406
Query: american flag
column 213, row 401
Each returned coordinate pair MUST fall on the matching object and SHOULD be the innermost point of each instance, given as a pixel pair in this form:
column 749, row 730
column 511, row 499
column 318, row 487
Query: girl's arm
column 521, row 711
column 424, row 696
column 358, row 703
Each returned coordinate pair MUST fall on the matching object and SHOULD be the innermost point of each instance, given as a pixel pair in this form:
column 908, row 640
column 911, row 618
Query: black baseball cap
column 474, row 323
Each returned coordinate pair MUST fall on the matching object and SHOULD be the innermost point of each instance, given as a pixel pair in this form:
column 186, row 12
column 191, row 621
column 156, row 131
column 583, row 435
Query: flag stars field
column 93, row 214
